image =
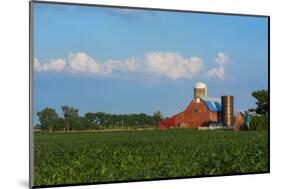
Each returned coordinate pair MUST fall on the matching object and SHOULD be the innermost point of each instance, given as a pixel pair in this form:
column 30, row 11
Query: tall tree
column 60, row 125
column 261, row 101
column 157, row 116
column 48, row 118
column 90, row 120
column 71, row 117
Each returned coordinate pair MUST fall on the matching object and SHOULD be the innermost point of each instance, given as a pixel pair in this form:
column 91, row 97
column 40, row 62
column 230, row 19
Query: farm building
column 205, row 111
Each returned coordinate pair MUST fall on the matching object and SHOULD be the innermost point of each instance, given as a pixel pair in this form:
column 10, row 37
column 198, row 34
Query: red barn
column 205, row 111
column 201, row 111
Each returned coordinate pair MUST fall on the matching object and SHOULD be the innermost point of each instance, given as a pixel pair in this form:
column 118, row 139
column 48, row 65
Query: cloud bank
column 219, row 72
column 53, row 65
column 171, row 65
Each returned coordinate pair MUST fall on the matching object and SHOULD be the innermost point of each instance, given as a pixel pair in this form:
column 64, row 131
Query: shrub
column 259, row 122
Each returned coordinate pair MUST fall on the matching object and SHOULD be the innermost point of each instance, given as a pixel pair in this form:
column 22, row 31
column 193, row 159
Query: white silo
column 200, row 89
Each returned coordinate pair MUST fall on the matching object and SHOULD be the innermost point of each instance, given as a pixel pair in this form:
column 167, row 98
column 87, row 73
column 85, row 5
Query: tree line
column 71, row 121
column 261, row 97
column 260, row 121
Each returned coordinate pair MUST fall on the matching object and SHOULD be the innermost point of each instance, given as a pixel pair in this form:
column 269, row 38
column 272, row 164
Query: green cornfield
column 91, row 157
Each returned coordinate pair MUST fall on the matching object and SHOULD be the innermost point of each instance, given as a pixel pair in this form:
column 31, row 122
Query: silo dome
column 200, row 85
column 200, row 89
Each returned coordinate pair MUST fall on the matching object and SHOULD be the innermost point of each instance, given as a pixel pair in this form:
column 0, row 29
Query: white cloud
column 36, row 64
column 222, row 59
column 219, row 72
column 81, row 62
column 216, row 73
column 52, row 65
column 172, row 65
column 57, row 64
column 132, row 65
column 128, row 65
column 168, row 64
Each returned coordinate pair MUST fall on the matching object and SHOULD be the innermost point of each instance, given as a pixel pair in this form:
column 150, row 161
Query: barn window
column 196, row 109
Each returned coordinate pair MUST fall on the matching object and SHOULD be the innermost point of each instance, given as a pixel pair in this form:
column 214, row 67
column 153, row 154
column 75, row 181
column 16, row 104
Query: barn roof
column 213, row 104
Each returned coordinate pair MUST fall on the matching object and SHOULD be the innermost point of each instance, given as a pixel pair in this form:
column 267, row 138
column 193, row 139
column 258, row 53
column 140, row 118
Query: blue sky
column 131, row 61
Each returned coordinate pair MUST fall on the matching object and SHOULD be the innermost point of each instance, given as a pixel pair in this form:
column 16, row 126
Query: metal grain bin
column 200, row 89
column 227, row 110
column 199, row 92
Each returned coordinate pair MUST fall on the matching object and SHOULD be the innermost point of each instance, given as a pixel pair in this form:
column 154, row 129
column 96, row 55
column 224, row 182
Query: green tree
column 48, row 118
column 260, row 122
column 71, row 117
column 157, row 117
column 100, row 119
column 90, row 121
column 261, row 101
column 60, row 125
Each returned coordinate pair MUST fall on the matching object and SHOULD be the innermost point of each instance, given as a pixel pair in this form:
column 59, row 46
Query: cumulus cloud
column 216, row 73
column 222, row 59
column 219, row 72
column 128, row 65
column 36, row 64
column 169, row 64
column 172, row 65
column 52, row 65
column 81, row 62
